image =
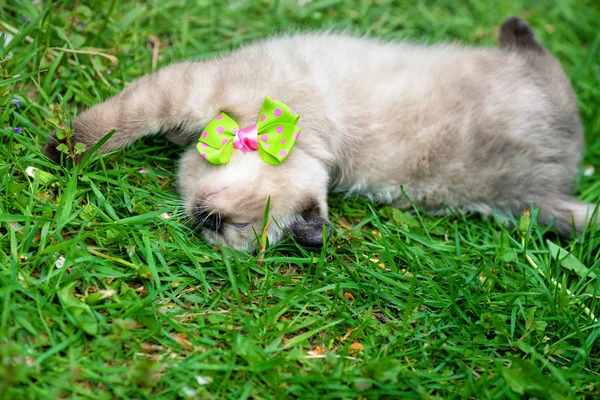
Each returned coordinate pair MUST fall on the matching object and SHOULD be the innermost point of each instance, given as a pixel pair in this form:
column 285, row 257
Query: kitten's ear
column 308, row 232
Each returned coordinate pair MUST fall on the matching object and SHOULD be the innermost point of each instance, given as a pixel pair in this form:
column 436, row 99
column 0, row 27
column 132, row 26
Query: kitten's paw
column 50, row 150
column 55, row 154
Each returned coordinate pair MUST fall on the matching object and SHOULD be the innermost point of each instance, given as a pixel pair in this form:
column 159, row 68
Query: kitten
column 475, row 129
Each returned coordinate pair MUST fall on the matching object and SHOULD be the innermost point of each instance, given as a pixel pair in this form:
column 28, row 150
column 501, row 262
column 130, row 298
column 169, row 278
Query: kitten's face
column 228, row 201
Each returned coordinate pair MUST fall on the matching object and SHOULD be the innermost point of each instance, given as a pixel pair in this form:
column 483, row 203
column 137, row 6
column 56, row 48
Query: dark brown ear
column 308, row 232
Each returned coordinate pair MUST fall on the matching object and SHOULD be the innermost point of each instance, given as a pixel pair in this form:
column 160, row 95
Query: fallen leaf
column 345, row 224
column 348, row 332
column 181, row 338
column 15, row 226
column 355, row 347
column 318, row 350
column 44, row 195
column 155, row 41
column 151, row 348
column 143, row 292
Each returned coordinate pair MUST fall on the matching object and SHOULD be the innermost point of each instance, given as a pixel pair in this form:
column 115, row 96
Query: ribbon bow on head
column 274, row 135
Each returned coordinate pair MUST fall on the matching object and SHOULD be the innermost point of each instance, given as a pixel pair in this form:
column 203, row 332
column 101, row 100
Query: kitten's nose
column 208, row 219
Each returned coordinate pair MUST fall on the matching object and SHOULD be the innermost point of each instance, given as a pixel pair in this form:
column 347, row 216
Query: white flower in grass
column 105, row 294
column 7, row 39
column 30, row 171
column 203, row 380
column 189, row 392
column 42, row 176
column 60, row 262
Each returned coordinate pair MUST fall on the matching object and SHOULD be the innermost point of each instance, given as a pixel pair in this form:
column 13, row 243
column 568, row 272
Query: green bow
column 274, row 135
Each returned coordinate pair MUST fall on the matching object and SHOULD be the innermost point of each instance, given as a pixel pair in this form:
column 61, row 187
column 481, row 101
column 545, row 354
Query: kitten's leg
column 174, row 100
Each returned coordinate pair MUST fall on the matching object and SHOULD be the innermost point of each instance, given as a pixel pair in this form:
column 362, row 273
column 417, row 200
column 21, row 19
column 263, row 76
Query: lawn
column 102, row 296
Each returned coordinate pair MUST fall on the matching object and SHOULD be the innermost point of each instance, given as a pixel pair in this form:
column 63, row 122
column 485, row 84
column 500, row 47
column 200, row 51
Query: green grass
column 398, row 305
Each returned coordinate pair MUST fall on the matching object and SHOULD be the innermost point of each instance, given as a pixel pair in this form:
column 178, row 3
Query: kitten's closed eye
column 239, row 225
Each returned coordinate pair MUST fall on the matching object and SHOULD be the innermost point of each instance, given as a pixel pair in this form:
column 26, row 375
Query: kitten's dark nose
column 206, row 218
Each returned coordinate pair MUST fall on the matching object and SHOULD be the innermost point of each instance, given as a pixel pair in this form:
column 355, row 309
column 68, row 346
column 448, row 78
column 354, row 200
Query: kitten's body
column 474, row 129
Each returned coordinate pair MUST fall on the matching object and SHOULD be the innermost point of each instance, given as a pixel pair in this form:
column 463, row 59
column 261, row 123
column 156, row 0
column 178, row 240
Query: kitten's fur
column 475, row 129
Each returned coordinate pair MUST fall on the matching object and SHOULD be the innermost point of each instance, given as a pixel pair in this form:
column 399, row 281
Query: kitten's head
column 228, row 201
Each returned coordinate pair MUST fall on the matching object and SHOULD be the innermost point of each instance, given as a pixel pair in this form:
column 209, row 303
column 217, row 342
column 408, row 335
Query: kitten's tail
column 516, row 34
column 568, row 215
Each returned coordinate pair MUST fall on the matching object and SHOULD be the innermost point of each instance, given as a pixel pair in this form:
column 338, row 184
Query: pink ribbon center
column 246, row 139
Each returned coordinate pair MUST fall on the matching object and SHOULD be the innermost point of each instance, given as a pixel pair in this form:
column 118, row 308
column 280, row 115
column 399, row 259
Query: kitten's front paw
column 51, row 151
column 57, row 149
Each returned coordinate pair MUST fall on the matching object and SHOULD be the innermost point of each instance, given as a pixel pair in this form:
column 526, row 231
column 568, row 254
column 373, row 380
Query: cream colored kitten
column 484, row 130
